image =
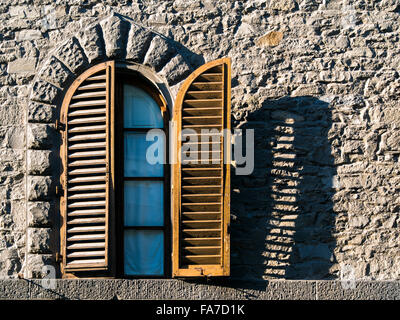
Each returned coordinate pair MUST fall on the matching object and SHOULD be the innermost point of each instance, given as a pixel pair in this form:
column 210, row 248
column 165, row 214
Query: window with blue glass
column 142, row 194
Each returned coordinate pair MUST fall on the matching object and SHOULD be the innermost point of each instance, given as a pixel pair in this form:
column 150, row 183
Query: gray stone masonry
column 97, row 289
column 318, row 81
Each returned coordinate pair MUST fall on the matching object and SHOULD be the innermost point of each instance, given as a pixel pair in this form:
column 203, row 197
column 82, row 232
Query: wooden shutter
column 201, row 192
column 87, row 180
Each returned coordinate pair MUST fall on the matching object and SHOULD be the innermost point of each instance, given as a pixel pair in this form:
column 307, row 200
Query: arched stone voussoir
column 115, row 34
column 176, row 70
column 72, row 55
column 55, row 72
column 113, row 38
column 159, row 53
column 43, row 91
column 139, row 40
column 92, row 42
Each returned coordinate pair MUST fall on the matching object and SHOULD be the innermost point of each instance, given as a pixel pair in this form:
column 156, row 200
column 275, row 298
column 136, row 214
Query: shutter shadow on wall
column 87, row 180
column 201, row 192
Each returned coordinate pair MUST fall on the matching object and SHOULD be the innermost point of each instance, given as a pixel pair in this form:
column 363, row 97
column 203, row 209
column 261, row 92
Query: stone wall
column 317, row 79
column 173, row 289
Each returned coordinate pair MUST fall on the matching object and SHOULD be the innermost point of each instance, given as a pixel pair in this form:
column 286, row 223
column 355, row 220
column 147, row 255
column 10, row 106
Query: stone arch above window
column 113, row 38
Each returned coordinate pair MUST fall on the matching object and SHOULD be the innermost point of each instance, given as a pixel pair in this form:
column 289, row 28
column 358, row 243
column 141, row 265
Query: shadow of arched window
column 283, row 212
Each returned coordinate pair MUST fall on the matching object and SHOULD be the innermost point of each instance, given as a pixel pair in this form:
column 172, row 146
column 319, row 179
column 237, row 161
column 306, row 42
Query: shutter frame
column 109, row 70
column 179, row 268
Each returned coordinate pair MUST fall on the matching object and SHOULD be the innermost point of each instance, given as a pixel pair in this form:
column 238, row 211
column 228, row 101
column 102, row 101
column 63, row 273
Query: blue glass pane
column 140, row 109
column 144, row 252
column 144, row 203
column 136, row 164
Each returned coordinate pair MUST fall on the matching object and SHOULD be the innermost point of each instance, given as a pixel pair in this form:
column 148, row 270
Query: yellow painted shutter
column 201, row 192
column 87, row 180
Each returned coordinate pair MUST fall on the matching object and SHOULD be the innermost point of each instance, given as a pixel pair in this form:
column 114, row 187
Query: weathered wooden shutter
column 87, row 180
column 201, row 192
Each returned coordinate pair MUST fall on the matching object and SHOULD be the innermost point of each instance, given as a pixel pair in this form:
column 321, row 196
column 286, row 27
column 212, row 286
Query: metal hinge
column 59, row 126
column 59, row 191
column 201, row 271
column 58, row 257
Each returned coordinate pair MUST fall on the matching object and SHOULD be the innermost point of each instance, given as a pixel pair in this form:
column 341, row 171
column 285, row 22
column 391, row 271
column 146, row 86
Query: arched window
column 118, row 215
column 142, row 190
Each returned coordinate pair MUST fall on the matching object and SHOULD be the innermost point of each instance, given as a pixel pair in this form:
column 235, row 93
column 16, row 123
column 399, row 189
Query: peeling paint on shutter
column 87, row 180
column 201, row 192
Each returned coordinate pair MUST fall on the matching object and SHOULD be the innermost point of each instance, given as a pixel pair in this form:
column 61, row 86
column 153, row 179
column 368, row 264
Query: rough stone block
column 39, row 214
column 159, row 53
column 282, row 5
column 271, row 39
column 358, row 221
column 358, row 290
column 40, row 136
column 39, row 240
column 13, row 155
column 55, row 71
column 12, row 137
column 245, row 30
column 43, row 91
column 38, row 162
column 9, row 261
column 92, row 42
column 181, row 5
column 39, row 188
column 175, row 70
column 11, row 112
column 72, row 55
column 22, row 66
column 306, row 90
column 42, row 289
column 138, row 42
column 39, row 112
column 115, row 32
column 11, row 289
column 29, row 34
column 37, row 265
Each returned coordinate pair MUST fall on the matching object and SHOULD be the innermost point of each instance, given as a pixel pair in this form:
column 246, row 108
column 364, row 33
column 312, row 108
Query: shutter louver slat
column 86, row 229
column 86, row 254
column 90, row 154
column 86, row 204
column 100, row 85
column 89, row 95
column 88, row 195
column 94, row 162
column 87, row 120
column 87, row 170
column 86, row 103
column 97, row 77
column 88, row 145
column 201, row 190
column 87, row 137
column 86, row 221
column 89, row 212
column 87, row 112
column 87, row 129
column 94, row 245
column 89, row 187
column 86, row 237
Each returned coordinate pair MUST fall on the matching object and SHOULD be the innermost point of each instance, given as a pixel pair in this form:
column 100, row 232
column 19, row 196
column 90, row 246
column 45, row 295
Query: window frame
column 126, row 76
column 172, row 196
